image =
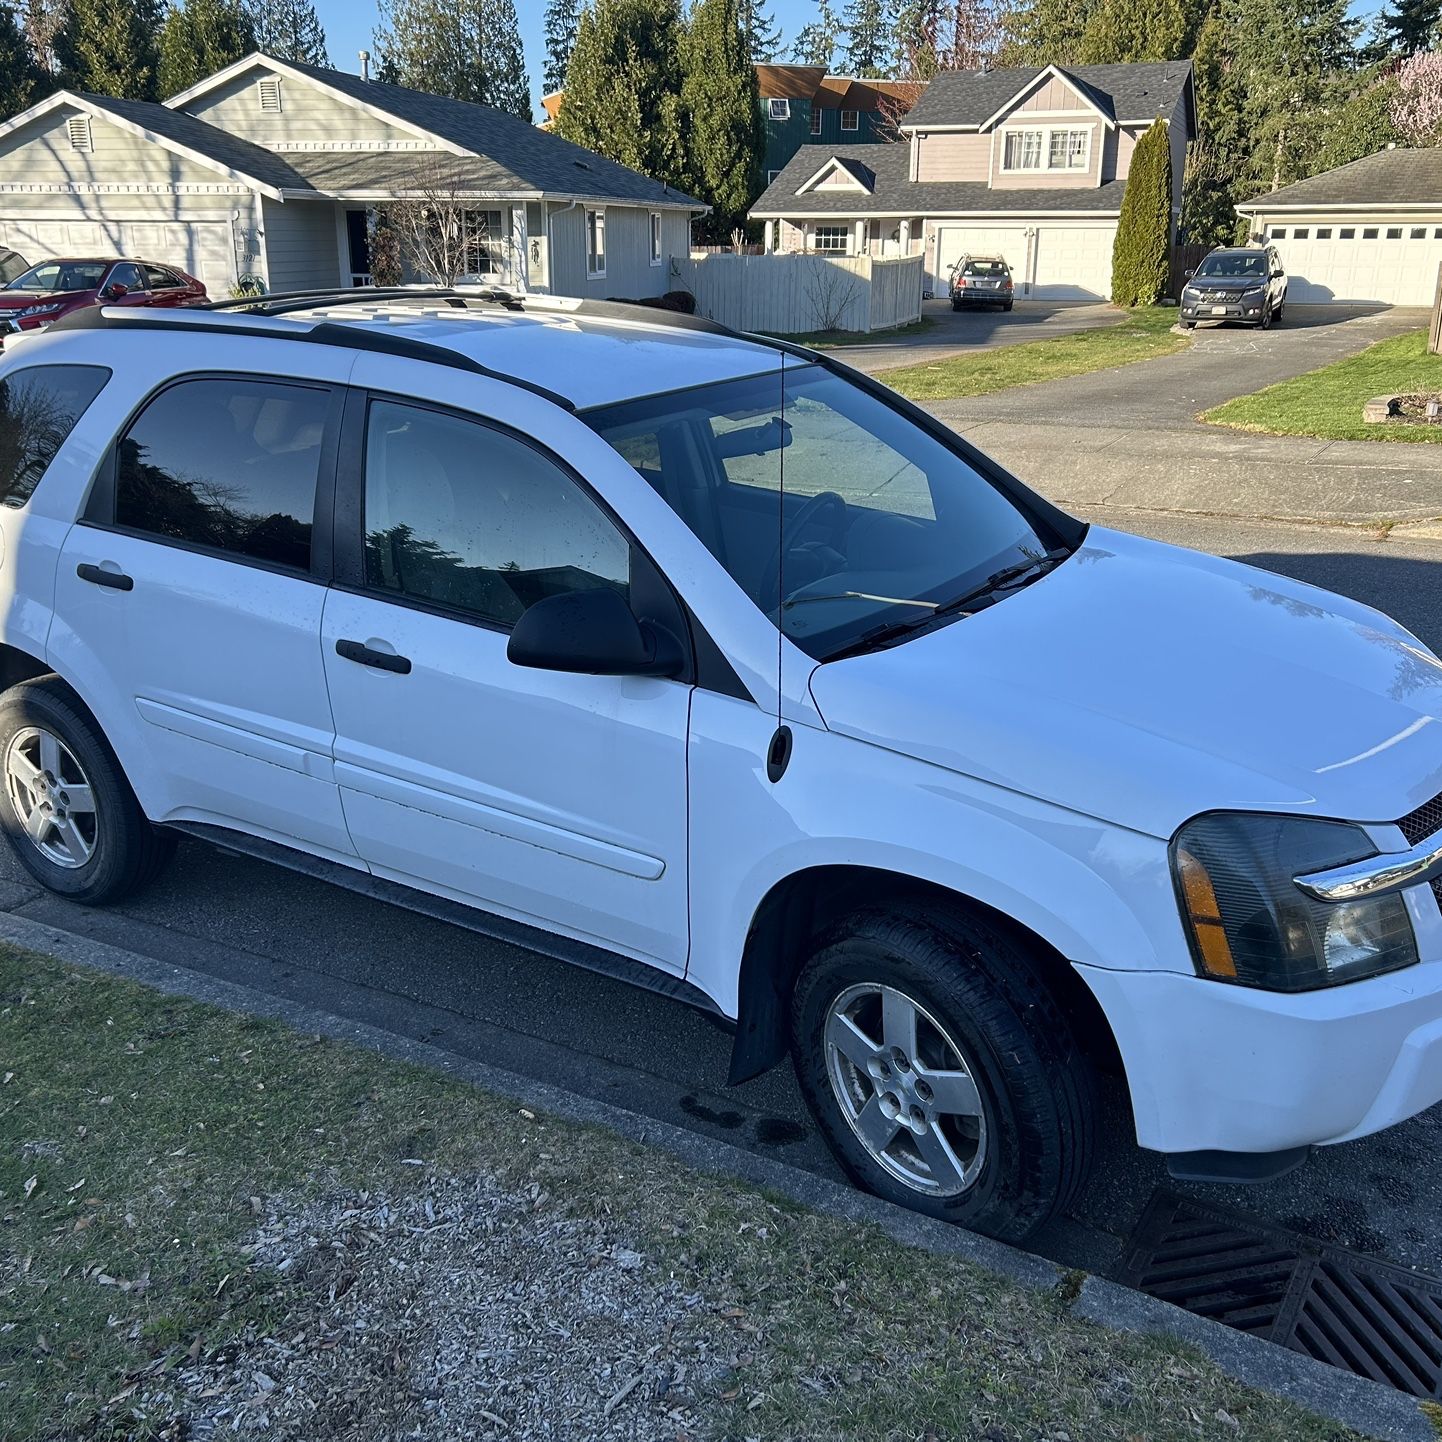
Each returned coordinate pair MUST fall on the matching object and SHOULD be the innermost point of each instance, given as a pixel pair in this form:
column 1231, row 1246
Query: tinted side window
column 127, row 275
column 38, row 409
column 228, row 464
column 12, row 267
column 161, row 279
column 469, row 517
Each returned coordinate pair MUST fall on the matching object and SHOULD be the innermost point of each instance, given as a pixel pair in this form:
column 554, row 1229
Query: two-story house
column 268, row 169
column 1026, row 163
column 802, row 105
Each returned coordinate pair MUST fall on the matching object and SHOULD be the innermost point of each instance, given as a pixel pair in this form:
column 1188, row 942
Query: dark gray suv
column 1240, row 283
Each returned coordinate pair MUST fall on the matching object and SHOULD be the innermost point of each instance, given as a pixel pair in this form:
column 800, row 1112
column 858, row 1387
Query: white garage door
column 1054, row 262
column 1393, row 264
column 204, row 248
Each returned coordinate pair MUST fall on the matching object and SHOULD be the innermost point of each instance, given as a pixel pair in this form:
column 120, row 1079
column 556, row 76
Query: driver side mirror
column 1188, row 274
column 592, row 633
column 114, row 291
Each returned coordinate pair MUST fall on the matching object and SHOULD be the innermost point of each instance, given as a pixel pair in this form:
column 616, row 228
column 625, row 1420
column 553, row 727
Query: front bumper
column 1242, row 308
column 1213, row 1067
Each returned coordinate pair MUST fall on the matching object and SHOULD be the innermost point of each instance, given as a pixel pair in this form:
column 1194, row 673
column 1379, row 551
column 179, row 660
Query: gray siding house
column 268, row 169
column 1026, row 163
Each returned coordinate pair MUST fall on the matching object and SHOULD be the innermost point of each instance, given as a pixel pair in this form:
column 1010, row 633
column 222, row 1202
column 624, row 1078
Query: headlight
column 1249, row 923
column 48, row 309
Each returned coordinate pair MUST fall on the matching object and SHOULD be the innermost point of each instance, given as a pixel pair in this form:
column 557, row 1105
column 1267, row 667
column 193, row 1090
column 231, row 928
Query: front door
column 555, row 799
column 188, row 599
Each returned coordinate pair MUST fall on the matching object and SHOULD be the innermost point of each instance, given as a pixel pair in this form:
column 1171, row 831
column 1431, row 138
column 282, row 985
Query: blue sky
column 349, row 23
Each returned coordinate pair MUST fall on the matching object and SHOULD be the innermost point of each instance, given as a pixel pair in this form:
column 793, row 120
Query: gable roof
column 894, row 193
column 862, row 176
column 971, row 99
column 184, row 135
column 512, row 154
column 1390, row 179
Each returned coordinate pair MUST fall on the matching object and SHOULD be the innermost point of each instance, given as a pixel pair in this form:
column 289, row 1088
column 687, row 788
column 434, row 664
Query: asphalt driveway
column 954, row 332
column 1130, row 437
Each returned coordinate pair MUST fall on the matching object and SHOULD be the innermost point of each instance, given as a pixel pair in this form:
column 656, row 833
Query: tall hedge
column 1141, row 256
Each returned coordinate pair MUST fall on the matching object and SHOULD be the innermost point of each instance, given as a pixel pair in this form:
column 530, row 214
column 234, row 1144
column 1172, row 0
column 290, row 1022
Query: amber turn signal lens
column 1205, row 915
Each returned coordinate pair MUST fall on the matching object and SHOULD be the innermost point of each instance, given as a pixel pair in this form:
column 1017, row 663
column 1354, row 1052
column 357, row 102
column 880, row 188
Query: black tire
column 128, row 852
column 956, row 305
column 1266, row 321
column 1036, row 1089
column 1007, row 306
column 1277, row 314
column 1188, row 324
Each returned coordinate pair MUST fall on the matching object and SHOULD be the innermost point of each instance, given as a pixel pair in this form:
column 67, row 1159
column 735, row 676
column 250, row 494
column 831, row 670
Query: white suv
column 704, row 661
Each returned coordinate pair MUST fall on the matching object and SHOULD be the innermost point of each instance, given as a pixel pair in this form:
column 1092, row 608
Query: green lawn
column 163, row 1164
column 1144, row 334
column 832, row 339
column 1327, row 403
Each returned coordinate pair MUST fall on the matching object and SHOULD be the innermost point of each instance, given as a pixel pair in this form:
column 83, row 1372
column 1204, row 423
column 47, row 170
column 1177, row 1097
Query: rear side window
column 39, row 407
column 230, row 465
column 159, row 279
column 12, row 266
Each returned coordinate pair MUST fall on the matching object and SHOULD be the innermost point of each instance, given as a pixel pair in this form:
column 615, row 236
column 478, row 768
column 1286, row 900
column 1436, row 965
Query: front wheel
column 65, row 804
column 942, row 1073
column 1277, row 314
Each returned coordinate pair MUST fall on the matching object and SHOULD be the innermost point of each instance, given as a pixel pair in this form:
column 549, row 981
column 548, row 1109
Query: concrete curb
column 1368, row 1408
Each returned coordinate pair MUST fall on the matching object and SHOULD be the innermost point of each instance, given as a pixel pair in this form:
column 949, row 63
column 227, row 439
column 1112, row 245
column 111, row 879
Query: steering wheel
column 795, row 528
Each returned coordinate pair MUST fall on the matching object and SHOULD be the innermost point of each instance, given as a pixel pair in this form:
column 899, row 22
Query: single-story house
column 1368, row 231
column 268, row 169
column 1029, row 163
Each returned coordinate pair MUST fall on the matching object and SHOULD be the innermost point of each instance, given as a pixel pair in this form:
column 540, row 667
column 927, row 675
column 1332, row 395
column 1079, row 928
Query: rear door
column 190, row 597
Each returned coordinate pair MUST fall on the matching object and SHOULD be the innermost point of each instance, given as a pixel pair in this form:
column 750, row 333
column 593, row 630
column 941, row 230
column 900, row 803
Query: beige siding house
column 1026, row 163
column 268, row 170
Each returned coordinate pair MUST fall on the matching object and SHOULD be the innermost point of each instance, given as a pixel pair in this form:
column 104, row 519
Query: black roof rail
column 283, row 302
column 352, row 337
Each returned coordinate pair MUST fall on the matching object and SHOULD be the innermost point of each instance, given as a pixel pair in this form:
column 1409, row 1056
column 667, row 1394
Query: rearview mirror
column 759, row 440
column 592, row 633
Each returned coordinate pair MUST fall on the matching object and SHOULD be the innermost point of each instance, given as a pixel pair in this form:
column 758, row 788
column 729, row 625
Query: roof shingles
column 1388, row 178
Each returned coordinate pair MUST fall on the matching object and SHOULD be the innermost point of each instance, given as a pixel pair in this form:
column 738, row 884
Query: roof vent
column 270, row 95
column 77, row 128
column 580, row 165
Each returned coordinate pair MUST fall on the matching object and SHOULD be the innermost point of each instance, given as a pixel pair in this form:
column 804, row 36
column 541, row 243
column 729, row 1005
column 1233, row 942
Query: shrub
column 1142, row 254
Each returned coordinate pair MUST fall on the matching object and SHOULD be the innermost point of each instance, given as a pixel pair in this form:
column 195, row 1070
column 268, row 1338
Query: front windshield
column 878, row 523
column 1234, row 266
column 61, row 275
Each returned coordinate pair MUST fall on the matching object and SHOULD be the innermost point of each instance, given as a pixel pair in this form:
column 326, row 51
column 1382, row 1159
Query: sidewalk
column 1217, row 472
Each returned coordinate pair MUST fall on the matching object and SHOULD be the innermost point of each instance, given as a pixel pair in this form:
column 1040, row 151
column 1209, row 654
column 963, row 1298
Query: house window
column 1301, row 233
column 485, row 243
column 1394, row 232
column 1022, row 150
column 771, row 175
column 269, row 89
column 1369, row 232
column 830, row 237
column 1067, row 150
column 850, row 120
column 1418, row 232
column 595, row 243
column 655, row 237
column 1277, row 232
column 815, row 120
column 1346, row 233
column 778, row 109
column 1324, row 232
column 77, row 130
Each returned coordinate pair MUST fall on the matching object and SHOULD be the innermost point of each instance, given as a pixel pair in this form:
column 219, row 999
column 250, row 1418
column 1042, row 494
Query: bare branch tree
column 830, row 288
column 442, row 232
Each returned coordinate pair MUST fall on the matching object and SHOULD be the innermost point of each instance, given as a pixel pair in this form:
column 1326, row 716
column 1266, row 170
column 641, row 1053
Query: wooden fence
column 801, row 294
column 1434, row 331
column 1184, row 258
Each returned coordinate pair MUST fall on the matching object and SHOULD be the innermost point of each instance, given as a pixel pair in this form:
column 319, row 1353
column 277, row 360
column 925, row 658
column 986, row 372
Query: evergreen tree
column 562, row 18
column 200, row 37
column 623, row 88
column 21, row 78
column 289, row 30
column 1046, row 32
column 758, row 25
column 721, row 99
column 917, row 38
column 868, row 38
column 463, row 49
column 1208, row 183
column 1124, row 31
column 1407, row 26
column 816, row 41
column 109, row 47
column 1141, row 254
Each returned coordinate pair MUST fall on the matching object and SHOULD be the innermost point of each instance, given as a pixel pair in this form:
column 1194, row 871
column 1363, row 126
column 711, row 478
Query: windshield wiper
column 791, row 601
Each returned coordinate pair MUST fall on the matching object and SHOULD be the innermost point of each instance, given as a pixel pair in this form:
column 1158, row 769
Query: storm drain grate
column 1365, row 1317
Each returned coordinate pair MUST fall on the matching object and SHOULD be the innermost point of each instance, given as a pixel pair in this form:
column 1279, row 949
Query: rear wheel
column 942, row 1072
column 1007, row 305
column 956, row 305
column 65, row 804
column 1277, row 314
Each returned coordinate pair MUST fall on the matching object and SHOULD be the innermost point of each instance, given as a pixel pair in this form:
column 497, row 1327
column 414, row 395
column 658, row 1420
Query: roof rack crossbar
column 283, row 302
column 332, row 333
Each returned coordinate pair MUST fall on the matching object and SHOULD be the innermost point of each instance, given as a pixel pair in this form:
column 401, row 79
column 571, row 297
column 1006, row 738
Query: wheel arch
column 17, row 665
column 801, row 907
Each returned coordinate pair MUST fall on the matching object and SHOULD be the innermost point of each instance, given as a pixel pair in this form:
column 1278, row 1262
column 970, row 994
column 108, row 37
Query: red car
column 56, row 287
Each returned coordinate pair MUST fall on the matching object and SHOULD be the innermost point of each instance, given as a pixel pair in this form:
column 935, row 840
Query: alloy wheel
column 906, row 1089
column 52, row 797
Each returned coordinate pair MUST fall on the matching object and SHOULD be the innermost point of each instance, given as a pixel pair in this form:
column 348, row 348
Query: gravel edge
column 1367, row 1407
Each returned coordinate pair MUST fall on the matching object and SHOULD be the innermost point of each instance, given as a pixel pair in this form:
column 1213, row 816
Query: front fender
column 1098, row 893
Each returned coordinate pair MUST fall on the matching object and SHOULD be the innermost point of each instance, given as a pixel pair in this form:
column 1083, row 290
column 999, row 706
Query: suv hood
column 1144, row 684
